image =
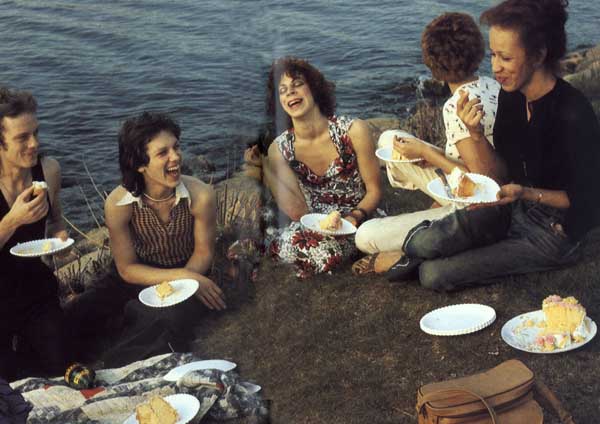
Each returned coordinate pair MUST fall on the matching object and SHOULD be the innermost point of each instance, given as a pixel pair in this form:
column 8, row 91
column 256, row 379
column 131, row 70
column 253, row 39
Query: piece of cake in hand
column 157, row 411
column 164, row 289
column 331, row 222
column 461, row 184
column 39, row 187
column 564, row 321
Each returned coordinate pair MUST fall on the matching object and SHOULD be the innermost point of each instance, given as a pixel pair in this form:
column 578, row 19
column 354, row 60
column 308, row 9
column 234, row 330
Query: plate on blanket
column 36, row 248
column 187, row 406
column 182, row 289
column 522, row 331
column 456, row 320
column 211, row 364
column 485, row 192
column 311, row 221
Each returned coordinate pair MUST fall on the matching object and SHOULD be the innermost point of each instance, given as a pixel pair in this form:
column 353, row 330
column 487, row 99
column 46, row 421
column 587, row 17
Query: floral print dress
column 341, row 188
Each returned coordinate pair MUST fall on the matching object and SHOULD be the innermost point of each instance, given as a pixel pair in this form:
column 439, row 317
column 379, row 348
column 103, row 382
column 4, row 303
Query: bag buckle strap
column 433, row 396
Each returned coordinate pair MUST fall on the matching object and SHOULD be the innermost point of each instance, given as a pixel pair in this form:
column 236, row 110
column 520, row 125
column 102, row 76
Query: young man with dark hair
column 29, row 305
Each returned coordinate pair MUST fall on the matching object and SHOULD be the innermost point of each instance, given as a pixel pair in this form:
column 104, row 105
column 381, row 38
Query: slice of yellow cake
column 164, row 289
column 564, row 322
column 462, row 185
column 156, row 411
column 331, row 222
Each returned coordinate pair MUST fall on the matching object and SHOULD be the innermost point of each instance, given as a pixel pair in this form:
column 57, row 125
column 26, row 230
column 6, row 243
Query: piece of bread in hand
column 39, row 187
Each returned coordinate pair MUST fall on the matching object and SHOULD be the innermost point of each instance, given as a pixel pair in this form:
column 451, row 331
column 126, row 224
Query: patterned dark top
column 341, row 188
column 158, row 244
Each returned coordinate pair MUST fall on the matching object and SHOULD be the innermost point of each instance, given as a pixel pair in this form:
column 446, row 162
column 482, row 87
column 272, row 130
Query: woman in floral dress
column 320, row 163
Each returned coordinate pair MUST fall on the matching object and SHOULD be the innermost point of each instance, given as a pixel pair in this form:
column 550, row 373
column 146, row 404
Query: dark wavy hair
column 323, row 91
column 12, row 104
column 452, row 47
column 134, row 136
column 539, row 23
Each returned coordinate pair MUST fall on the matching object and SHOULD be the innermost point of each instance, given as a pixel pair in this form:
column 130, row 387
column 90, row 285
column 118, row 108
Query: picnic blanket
column 117, row 391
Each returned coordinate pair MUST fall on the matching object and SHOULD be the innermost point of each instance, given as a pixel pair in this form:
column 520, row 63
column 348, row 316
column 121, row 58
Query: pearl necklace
column 164, row 199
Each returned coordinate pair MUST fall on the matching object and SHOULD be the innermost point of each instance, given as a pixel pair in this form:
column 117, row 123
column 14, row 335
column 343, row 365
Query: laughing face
column 163, row 170
column 20, row 148
column 295, row 96
column 510, row 64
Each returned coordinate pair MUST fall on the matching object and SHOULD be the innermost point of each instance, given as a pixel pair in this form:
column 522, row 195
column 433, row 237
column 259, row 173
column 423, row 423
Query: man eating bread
column 29, row 305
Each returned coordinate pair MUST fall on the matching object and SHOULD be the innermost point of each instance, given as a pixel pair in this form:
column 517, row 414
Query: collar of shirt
column 181, row 192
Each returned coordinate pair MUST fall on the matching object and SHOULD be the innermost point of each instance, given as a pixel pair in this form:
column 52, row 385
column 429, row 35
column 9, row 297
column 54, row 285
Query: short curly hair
column 452, row 47
column 14, row 103
column 323, row 91
column 539, row 23
column 134, row 136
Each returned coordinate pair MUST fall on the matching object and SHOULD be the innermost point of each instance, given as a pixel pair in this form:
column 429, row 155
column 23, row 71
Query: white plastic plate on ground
column 210, row 364
column 522, row 337
column 456, row 320
column 311, row 221
column 36, row 248
column 485, row 192
column 385, row 153
column 182, row 289
column 187, row 406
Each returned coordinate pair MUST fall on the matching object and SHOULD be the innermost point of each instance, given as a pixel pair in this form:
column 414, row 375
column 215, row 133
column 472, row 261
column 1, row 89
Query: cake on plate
column 564, row 323
column 157, row 411
column 164, row 289
column 461, row 184
column 331, row 222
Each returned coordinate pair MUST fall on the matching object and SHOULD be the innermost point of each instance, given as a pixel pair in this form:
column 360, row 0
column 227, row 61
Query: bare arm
column 368, row 167
column 283, row 184
column 55, row 225
column 204, row 210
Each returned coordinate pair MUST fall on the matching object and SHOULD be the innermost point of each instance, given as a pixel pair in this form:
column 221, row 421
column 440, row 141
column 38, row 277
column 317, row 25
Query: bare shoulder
column 114, row 213
column 360, row 134
column 51, row 169
column 202, row 195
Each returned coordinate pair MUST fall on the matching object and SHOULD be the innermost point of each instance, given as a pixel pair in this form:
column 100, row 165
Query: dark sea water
column 91, row 64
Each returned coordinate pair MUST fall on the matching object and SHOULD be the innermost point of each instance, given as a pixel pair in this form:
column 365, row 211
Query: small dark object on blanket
column 79, row 376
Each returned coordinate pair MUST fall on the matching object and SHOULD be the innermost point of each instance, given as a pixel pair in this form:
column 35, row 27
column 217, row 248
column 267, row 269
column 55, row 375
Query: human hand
column 351, row 220
column 210, row 294
column 470, row 112
column 25, row 211
column 508, row 193
column 63, row 235
column 411, row 148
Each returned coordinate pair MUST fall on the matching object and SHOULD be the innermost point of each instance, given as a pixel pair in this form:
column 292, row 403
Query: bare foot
column 435, row 205
column 377, row 263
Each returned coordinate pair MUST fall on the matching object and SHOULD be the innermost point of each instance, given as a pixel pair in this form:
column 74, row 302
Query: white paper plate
column 187, row 406
column 385, row 153
column 460, row 319
column 524, row 337
column 36, row 248
column 182, row 290
column 484, row 193
column 211, row 364
column 311, row 221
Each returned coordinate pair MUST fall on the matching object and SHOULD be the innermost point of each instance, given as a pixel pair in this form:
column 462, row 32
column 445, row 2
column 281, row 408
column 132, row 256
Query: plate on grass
column 456, row 320
column 187, row 406
column 210, row 364
column 311, row 221
column 485, row 192
column 182, row 289
column 36, row 248
column 522, row 331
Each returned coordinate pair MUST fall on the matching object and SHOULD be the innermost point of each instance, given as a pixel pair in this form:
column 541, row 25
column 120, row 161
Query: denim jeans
column 470, row 247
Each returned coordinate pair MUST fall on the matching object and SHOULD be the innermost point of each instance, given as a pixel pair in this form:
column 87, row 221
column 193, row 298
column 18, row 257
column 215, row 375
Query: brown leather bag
column 501, row 395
